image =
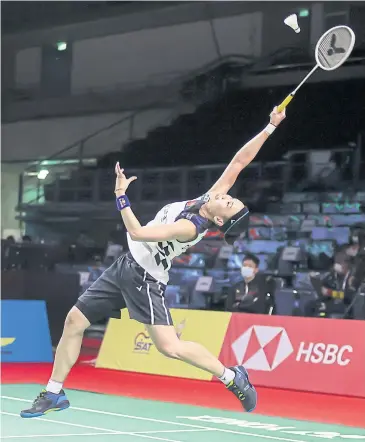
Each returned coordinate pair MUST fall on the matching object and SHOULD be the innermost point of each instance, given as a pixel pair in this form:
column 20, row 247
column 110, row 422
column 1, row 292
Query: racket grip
column 284, row 104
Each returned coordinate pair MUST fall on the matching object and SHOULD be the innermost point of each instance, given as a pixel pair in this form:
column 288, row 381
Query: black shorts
column 125, row 284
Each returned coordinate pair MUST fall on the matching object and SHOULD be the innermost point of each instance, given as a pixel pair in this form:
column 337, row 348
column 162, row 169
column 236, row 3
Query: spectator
column 255, row 293
column 5, row 250
column 354, row 245
column 84, row 239
column 113, row 252
column 336, row 292
column 10, row 240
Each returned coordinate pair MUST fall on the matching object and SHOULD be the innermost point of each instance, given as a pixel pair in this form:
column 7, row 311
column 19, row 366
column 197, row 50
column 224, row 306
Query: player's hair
column 253, row 258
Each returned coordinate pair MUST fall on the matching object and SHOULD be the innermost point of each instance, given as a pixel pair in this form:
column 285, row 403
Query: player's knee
column 170, row 350
column 75, row 322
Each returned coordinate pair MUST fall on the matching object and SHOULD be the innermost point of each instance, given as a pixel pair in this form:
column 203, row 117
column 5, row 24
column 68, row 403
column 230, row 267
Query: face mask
column 338, row 268
column 247, row 272
column 355, row 239
column 351, row 252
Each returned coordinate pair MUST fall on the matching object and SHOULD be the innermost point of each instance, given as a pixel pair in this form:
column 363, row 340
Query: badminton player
column 137, row 279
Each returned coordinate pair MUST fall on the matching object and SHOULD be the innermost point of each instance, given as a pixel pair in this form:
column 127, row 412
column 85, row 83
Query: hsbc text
column 318, row 353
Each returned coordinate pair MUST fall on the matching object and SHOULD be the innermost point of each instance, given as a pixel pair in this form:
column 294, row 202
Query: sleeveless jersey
column 156, row 257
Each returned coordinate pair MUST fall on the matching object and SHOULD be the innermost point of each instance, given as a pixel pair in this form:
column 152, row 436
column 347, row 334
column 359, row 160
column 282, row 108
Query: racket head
column 334, row 47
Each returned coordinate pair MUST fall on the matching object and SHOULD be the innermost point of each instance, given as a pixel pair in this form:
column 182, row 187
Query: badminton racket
column 332, row 50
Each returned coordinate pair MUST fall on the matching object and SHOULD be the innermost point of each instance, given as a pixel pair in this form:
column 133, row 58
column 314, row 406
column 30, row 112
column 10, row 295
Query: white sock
column 227, row 376
column 54, row 387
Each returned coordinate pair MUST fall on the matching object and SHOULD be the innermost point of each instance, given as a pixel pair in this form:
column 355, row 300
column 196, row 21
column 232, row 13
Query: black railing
column 181, row 183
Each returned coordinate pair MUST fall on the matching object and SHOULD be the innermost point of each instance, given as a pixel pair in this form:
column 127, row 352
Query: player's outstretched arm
column 182, row 230
column 246, row 154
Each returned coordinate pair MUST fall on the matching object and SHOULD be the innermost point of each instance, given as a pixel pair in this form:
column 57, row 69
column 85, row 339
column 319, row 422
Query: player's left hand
column 122, row 182
column 277, row 117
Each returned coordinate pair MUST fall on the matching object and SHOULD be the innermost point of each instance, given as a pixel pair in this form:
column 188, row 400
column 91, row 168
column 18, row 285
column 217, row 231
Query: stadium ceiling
column 26, row 16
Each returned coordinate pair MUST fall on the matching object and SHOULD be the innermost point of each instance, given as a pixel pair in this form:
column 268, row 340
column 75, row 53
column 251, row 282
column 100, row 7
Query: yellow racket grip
column 284, row 104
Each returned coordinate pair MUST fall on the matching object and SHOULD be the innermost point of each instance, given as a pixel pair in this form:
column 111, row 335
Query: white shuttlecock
column 292, row 22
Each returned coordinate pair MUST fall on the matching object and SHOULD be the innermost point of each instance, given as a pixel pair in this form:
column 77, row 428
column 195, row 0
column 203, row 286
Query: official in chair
column 255, row 293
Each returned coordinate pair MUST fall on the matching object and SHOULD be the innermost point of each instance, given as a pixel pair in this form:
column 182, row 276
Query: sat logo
column 143, row 343
column 4, row 342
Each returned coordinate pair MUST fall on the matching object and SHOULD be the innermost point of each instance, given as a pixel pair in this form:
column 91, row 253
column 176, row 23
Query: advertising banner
column 127, row 345
column 25, row 335
column 320, row 355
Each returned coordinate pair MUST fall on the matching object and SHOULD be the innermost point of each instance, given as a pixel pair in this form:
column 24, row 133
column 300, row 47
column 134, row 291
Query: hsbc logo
column 262, row 347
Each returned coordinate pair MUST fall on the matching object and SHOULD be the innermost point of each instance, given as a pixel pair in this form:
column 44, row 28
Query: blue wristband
column 122, row 202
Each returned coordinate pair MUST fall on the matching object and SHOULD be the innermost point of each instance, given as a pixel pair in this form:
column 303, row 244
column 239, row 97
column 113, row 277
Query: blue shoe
column 243, row 389
column 45, row 403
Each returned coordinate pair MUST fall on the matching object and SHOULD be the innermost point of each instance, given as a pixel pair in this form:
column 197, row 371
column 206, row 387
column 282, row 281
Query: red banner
column 321, row 355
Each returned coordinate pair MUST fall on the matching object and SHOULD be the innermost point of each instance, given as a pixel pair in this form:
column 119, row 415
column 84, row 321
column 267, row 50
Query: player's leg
column 235, row 378
column 144, row 297
column 53, row 398
column 102, row 300
column 167, row 342
column 68, row 349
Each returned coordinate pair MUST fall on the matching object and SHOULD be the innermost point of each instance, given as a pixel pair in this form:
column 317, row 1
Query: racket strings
column 334, row 48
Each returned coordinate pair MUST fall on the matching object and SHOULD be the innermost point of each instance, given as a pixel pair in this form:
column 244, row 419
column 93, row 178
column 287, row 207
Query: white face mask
column 247, row 272
column 338, row 268
column 355, row 239
column 351, row 251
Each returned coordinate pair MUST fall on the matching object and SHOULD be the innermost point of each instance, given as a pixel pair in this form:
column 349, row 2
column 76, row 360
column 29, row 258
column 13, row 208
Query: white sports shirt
column 156, row 257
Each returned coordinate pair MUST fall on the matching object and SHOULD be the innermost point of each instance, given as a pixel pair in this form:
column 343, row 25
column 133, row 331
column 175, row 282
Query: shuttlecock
column 292, row 22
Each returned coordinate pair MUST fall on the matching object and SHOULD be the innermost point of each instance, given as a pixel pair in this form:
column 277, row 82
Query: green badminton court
column 99, row 418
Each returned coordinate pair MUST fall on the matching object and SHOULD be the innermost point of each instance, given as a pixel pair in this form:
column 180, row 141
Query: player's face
column 223, row 206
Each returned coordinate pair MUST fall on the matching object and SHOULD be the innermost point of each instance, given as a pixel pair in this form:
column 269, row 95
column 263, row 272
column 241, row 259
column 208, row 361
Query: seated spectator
column 255, row 293
column 336, row 292
column 351, row 248
column 10, row 240
column 113, row 252
column 5, row 251
column 329, row 177
column 354, row 245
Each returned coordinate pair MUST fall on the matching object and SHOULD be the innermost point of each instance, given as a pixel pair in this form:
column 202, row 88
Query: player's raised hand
column 122, row 182
column 277, row 117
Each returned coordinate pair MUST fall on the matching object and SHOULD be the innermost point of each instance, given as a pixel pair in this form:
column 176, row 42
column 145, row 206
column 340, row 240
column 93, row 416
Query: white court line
column 109, row 413
column 84, row 434
column 63, row 423
column 99, row 434
column 174, row 431
column 54, row 435
column 106, row 430
column 153, row 437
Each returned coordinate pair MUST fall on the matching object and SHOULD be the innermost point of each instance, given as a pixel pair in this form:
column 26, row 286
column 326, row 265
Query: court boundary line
column 107, row 432
column 102, row 434
column 126, row 416
column 52, row 435
column 71, row 424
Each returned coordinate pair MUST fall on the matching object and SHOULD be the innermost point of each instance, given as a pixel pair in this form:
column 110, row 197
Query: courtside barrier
column 319, row 355
column 127, row 345
column 307, row 354
column 25, row 335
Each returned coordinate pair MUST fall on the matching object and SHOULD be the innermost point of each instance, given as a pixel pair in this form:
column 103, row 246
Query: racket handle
column 284, row 104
